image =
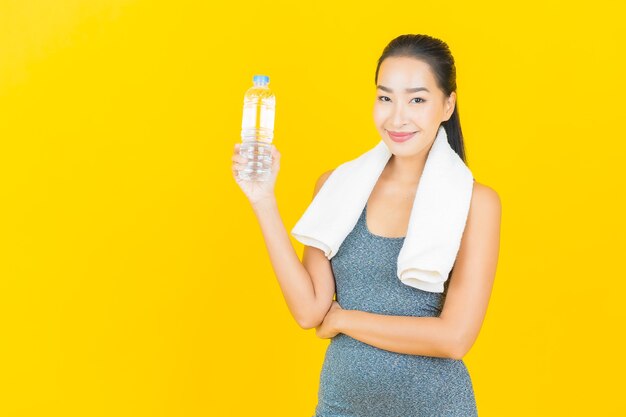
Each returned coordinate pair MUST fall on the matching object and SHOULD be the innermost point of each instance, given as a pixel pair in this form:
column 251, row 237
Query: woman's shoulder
column 321, row 180
column 485, row 197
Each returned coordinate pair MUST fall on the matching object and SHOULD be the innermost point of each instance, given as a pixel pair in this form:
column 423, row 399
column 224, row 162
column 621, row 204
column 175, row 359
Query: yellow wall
column 134, row 280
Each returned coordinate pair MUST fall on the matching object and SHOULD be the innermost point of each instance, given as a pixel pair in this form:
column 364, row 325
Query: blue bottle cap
column 261, row 79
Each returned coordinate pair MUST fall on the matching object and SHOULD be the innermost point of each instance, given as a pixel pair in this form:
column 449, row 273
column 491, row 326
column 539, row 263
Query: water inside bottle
column 257, row 132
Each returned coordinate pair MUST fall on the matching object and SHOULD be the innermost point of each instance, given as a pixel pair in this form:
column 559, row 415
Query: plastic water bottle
column 257, row 130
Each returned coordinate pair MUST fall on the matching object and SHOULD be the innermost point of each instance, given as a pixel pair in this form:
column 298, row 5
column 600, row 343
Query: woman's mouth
column 400, row 136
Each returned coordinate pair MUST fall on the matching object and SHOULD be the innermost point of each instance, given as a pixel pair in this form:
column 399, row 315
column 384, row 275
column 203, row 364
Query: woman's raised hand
column 256, row 191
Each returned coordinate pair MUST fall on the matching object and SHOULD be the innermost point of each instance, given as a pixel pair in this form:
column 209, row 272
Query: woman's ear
column 449, row 104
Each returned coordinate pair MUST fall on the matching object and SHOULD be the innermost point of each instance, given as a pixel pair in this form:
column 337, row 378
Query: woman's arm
column 308, row 286
column 453, row 333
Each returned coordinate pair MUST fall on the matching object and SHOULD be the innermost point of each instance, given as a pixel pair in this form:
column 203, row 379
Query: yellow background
column 134, row 280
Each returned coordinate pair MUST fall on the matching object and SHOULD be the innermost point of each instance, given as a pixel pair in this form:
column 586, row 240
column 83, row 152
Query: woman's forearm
column 426, row 336
column 293, row 278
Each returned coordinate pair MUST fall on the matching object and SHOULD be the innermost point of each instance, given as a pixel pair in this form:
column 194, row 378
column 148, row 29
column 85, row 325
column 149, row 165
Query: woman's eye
column 384, row 98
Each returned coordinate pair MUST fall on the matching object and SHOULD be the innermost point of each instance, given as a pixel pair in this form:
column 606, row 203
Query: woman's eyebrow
column 408, row 90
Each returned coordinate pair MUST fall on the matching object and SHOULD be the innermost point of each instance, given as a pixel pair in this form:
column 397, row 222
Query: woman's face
column 397, row 109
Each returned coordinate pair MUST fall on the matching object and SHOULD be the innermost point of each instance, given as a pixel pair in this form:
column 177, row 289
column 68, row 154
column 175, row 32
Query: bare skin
column 309, row 286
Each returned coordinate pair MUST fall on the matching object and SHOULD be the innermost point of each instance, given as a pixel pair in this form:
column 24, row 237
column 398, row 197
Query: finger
column 275, row 156
column 238, row 150
column 239, row 167
column 239, row 158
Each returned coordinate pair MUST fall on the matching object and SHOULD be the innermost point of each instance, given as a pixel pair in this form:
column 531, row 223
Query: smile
column 400, row 136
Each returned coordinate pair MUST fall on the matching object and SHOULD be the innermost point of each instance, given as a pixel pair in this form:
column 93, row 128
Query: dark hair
column 437, row 55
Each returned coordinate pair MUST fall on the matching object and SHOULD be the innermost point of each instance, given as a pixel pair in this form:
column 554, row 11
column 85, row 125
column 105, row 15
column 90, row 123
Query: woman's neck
column 405, row 170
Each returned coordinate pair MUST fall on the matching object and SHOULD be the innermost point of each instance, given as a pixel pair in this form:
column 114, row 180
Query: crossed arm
column 453, row 333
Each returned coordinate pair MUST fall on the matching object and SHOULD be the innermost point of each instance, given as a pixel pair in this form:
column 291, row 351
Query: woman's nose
column 398, row 116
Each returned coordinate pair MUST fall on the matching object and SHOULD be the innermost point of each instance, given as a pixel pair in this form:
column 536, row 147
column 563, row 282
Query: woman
column 396, row 350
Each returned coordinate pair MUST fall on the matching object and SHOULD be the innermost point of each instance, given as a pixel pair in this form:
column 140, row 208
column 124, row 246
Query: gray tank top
column 361, row 380
column 365, row 269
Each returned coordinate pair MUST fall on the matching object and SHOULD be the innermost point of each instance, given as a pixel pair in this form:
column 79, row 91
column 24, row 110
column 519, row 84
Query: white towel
column 436, row 222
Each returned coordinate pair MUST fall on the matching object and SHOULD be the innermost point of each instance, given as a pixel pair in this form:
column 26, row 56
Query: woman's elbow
column 313, row 316
column 309, row 323
column 456, row 353
column 459, row 348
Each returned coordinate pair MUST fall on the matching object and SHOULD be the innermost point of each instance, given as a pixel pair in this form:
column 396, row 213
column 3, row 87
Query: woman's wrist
column 339, row 320
column 264, row 204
